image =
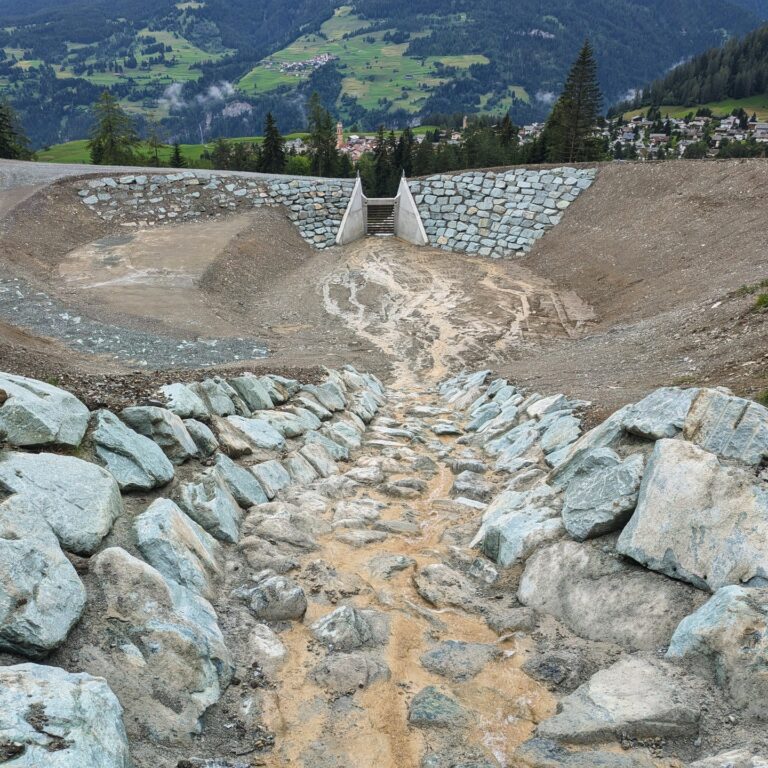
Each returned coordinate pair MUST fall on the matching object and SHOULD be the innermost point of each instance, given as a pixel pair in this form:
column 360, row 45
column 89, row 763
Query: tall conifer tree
column 114, row 139
column 272, row 148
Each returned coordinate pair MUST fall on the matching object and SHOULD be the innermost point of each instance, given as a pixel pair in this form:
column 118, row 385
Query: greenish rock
column 432, row 709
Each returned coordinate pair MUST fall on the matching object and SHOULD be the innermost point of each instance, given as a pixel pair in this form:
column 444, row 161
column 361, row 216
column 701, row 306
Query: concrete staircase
column 380, row 218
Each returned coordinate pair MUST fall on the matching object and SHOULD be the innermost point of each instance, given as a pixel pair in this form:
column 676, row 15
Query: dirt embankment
column 638, row 287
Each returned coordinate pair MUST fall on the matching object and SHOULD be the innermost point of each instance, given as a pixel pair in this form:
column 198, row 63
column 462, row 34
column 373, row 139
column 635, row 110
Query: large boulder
column 241, row 483
column 259, row 432
column 632, row 699
column 219, row 397
column 602, row 495
column 252, row 391
column 609, row 434
column 36, row 413
column 182, row 401
column 513, row 537
column 208, row 501
column 274, row 598
column 177, row 546
column 728, row 639
column 58, row 719
column 41, row 596
column 733, row 758
column 730, row 427
column 699, row 520
column 602, row 598
column 156, row 643
column 272, row 477
column 135, row 461
column 661, row 414
column 79, row 500
column 164, row 427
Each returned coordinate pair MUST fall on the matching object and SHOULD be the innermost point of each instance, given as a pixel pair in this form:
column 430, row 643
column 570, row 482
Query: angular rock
column 730, row 427
column 472, row 486
column 661, row 414
column 432, row 709
column 58, row 719
column 733, row 758
column 513, row 537
column 300, row 470
column 36, row 413
column 727, row 638
column 252, row 391
column 601, row 499
column 631, row 699
column 609, row 434
column 458, row 660
column 272, row 477
column 266, row 649
column 698, row 520
column 176, row 546
column 337, row 451
column 545, row 753
column 385, row 566
column 348, row 628
column 79, row 500
column 443, row 586
column 204, row 439
column 219, row 397
column 259, row 432
column 41, row 596
column 344, row 674
column 602, row 598
column 156, row 643
column 232, row 440
column 320, row 459
column 261, row 554
column 241, row 483
column 164, row 427
column 288, row 424
column 562, row 432
column 182, row 401
column 135, row 461
column 274, row 598
column 207, row 500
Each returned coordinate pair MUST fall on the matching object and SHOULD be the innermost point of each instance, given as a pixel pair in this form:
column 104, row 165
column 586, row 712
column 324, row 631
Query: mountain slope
column 216, row 67
column 737, row 70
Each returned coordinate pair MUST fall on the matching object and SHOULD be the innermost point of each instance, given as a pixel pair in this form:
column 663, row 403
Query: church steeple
column 339, row 135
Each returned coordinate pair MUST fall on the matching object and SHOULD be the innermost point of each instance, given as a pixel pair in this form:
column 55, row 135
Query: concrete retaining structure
column 495, row 214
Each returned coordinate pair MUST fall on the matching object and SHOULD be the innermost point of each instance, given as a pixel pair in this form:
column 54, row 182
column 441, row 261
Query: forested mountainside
column 216, row 67
column 736, row 70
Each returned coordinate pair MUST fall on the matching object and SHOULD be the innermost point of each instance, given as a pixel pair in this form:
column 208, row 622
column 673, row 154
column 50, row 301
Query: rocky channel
column 253, row 571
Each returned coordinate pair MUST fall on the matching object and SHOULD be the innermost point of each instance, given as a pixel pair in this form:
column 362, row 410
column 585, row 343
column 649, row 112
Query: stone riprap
column 496, row 214
column 485, row 213
column 316, row 206
column 274, row 573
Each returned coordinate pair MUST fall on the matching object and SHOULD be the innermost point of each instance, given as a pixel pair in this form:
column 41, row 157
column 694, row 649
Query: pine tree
column 382, row 161
column 322, row 139
column 114, row 139
column 422, row 160
column 507, row 131
column 177, row 159
column 570, row 128
column 272, row 148
column 14, row 145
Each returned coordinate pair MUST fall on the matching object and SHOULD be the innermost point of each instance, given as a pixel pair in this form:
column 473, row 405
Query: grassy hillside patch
column 375, row 70
column 757, row 104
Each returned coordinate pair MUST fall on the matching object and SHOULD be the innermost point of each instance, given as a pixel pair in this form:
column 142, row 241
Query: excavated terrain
column 438, row 659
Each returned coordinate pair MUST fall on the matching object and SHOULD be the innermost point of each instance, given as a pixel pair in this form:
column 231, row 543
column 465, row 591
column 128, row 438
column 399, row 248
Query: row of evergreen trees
column 569, row 136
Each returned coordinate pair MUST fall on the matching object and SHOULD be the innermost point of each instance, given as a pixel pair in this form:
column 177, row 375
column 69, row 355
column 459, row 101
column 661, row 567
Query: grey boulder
column 727, row 638
column 274, row 598
column 135, row 461
column 661, row 414
column 79, row 500
column 146, row 635
column 176, row 546
column 730, row 427
column 631, row 699
column 58, row 719
column 603, row 598
column 203, row 437
column 36, row 413
column 545, row 753
column 601, row 498
column 344, row 674
column 458, row 660
column 41, row 595
column 252, row 391
column 698, row 520
column 241, row 483
column 259, row 432
column 164, row 427
column 272, row 477
column 182, row 401
column 348, row 628
column 430, row 708
column 207, row 500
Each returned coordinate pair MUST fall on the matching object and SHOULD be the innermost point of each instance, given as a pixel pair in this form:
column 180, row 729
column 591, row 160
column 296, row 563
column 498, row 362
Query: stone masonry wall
column 484, row 213
column 316, row 206
column 495, row 214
